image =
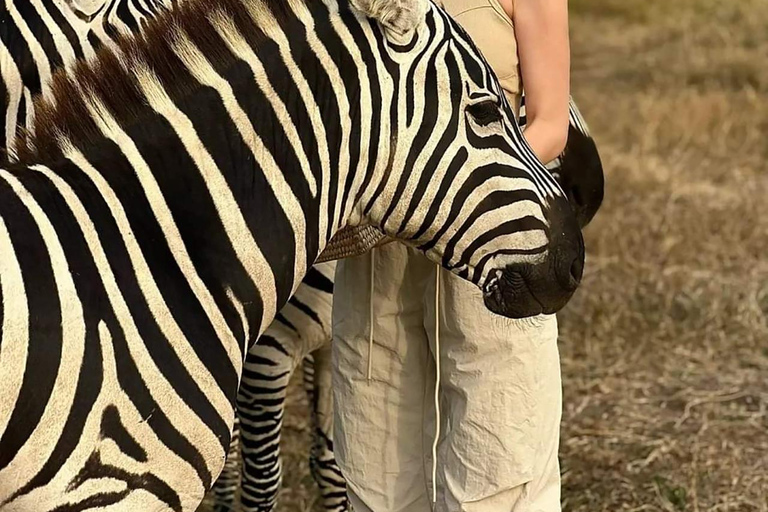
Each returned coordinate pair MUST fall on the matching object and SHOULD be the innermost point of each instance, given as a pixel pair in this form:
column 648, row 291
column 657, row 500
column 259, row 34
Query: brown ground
column 665, row 348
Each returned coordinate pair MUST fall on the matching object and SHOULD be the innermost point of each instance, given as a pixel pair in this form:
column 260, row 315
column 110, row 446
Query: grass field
column 665, row 347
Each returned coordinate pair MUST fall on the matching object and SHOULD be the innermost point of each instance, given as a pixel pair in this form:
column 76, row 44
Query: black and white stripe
column 271, row 365
column 153, row 228
column 52, row 35
column 37, row 37
column 300, row 332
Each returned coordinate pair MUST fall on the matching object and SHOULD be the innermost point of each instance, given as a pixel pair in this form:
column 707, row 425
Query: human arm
column 541, row 29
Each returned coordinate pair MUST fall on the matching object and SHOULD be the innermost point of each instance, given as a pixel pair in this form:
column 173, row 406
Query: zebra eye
column 485, row 112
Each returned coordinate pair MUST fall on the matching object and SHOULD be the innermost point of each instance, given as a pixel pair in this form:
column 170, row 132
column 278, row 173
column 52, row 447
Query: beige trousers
column 499, row 393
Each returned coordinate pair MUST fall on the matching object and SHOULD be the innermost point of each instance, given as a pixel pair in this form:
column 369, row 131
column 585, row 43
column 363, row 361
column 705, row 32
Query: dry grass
column 665, row 348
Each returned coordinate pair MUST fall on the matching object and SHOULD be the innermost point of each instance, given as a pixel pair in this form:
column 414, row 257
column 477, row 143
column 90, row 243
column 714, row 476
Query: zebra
column 38, row 38
column 253, row 471
column 127, row 206
column 93, row 29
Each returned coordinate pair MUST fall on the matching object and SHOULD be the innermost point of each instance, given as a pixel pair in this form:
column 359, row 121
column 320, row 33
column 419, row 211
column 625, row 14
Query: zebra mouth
column 507, row 293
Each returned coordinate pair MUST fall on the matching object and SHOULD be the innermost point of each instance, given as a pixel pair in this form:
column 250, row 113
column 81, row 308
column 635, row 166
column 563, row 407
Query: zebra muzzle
column 522, row 290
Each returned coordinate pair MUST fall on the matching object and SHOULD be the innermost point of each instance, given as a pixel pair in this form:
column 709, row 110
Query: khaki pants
column 500, row 393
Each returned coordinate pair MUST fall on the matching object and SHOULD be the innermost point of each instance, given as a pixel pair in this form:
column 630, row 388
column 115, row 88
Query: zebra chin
column 514, row 292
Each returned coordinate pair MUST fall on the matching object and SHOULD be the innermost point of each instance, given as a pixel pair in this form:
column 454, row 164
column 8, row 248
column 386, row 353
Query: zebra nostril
column 577, row 270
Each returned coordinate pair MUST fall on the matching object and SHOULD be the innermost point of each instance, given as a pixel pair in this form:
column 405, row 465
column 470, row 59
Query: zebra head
column 461, row 183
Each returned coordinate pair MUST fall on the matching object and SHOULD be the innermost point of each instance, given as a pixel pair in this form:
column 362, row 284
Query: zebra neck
column 256, row 146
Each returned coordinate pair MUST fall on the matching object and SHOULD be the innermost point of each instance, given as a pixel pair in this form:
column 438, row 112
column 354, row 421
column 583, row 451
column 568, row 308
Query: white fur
column 401, row 16
column 86, row 8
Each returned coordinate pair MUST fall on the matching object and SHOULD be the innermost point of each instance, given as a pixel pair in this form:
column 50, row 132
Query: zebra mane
column 109, row 79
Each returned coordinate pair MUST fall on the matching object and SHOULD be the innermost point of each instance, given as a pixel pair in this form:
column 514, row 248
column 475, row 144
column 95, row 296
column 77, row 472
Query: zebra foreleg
column 260, row 408
column 322, row 463
column 225, row 490
column 302, row 327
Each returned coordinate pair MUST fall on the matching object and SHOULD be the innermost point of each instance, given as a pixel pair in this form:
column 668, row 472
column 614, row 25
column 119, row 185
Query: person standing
column 499, row 393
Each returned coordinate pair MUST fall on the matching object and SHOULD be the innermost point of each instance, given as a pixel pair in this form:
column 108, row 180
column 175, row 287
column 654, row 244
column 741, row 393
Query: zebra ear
column 398, row 17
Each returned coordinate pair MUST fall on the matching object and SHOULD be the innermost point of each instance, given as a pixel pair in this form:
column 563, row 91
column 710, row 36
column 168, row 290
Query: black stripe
column 426, row 128
column 512, row 226
column 169, row 280
column 370, row 61
column 475, row 179
column 102, row 499
column 500, row 143
column 410, row 80
column 124, row 14
column 94, row 40
column 112, row 428
column 317, row 280
column 447, row 140
column 19, row 49
column 492, row 201
column 5, row 95
column 22, row 115
column 476, row 70
column 254, row 360
column 45, row 335
column 142, row 10
column 40, row 31
column 306, row 310
column 393, row 69
column 269, row 341
column 349, row 72
column 407, row 47
column 284, row 321
column 457, row 163
column 95, row 469
column 92, row 298
column 63, row 25
column 106, row 23
column 323, row 92
column 264, row 402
